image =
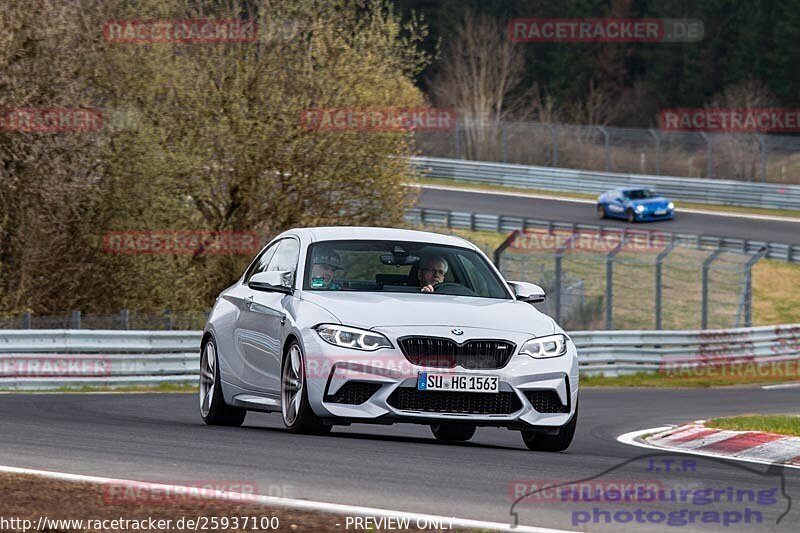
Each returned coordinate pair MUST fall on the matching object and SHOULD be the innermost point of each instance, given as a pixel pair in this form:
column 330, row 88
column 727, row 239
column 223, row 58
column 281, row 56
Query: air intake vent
column 408, row 399
column 353, row 393
column 438, row 352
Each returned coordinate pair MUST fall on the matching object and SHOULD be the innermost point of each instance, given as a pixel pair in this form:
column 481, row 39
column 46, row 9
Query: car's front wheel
column 298, row 417
column 601, row 211
column 453, row 431
column 630, row 216
column 213, row 409
column 542, row 442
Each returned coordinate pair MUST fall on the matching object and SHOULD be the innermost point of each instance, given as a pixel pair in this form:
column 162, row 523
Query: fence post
column 457, row 133
column 167, row 319
column 607, row 147
column 655, row 135
column 554, row 133
column 124, row 319
column 75, row 320
column 709, row 155
column 558, row 277
column 610, row 282
column 762, row 148
column 748, row 286
column 504, row 141
column 26, row 320
column 706, row 266
column 659, row 263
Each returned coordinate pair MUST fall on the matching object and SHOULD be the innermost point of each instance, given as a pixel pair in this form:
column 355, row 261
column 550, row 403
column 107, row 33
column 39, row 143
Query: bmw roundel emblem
column 457, row 331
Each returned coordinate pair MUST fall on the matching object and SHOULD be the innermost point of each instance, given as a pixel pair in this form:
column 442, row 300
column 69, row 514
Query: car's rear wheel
column 453, row 431
column 630, row 216
column 601, row 211
column 298, row 417
column 213, row 409
column 543, row 442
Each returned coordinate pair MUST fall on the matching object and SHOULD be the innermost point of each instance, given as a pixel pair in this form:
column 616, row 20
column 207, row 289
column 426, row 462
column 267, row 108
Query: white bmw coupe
column 336, row 325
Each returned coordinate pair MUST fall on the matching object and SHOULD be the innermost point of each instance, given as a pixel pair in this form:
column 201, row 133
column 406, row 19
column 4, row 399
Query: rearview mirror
column 272, row 280
column 527, row 292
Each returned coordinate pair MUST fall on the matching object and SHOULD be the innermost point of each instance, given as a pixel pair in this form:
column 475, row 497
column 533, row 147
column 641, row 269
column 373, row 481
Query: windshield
column 641, row 194
column 400, row 266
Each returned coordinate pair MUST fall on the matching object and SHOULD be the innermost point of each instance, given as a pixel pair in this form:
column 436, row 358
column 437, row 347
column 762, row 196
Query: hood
column 369, row 310
column 654, row 203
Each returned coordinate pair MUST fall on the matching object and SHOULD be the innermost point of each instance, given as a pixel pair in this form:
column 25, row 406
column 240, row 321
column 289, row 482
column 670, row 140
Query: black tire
column 542, row 442
column 601, row 212
column 453, row 431
column 630, row 216
column 215, row 412
column 298, row 417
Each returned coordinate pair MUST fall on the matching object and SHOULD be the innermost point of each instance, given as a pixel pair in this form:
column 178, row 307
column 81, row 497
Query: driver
column 432, row 270
column 324, row 265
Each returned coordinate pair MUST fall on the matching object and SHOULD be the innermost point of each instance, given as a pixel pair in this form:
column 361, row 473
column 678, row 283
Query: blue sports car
column 634, row 204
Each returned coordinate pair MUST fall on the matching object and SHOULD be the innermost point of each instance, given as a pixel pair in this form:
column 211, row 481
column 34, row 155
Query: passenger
column 432, row 270
column 324, row 265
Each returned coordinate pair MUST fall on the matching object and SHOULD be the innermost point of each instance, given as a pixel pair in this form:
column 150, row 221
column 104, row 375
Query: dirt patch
column 43, row 501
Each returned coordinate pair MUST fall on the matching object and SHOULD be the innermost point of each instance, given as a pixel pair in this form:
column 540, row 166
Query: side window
column 286, row 256
column 260, row 264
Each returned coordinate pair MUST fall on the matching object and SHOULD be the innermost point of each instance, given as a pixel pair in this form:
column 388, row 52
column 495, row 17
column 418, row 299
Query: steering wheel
column 454, row 289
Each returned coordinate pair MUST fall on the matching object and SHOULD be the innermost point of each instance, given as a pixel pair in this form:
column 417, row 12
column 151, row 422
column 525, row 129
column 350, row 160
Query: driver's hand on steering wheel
column 427, row 288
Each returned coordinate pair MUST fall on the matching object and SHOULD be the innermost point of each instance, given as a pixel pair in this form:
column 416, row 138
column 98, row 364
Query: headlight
column 358, row 339
column 544, row 347
column 670, row 206
column 640, row 208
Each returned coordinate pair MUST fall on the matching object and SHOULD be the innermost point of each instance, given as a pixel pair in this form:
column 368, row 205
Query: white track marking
column 781, row 386
column 678, row 210
column 290, row 503
column 633, row 439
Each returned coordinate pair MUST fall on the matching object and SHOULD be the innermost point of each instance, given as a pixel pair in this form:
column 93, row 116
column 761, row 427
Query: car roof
column 629, row 189
column 331, row 233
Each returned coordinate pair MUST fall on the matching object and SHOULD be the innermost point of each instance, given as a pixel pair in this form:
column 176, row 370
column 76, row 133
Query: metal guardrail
column 53, row 359
column 706, row 191
column 507, row 223
column 60, row 358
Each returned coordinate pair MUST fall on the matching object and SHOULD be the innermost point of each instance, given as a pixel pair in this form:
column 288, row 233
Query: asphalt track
column 584, row 213
column 160, row 438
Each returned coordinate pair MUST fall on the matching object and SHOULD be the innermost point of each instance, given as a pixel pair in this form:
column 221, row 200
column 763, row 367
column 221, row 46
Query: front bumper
column 384, row 383
column 648, row 216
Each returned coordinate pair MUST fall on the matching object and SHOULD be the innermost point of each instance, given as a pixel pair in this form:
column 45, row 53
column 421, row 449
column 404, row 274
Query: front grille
column 439, row 352
column 353, row 393
column 408, row 399
column 546, row 401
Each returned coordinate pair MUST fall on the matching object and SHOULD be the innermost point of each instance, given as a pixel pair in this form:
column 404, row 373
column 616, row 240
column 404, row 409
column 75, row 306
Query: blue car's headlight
column 347, row 337
column 670, row 206
column 640, row 208
column 544, row 347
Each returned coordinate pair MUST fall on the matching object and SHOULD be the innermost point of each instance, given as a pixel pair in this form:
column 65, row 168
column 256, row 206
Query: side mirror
column 527, row 292
column 272, row 280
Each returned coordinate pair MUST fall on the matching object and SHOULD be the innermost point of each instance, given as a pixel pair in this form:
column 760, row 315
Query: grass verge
column 783, row 424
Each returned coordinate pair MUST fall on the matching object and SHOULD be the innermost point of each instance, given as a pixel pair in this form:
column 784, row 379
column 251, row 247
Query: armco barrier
column 154, row 357
column 705, row 191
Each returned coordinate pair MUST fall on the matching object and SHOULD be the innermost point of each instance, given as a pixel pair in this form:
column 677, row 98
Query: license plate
column 458, row 382
column 661, row 212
